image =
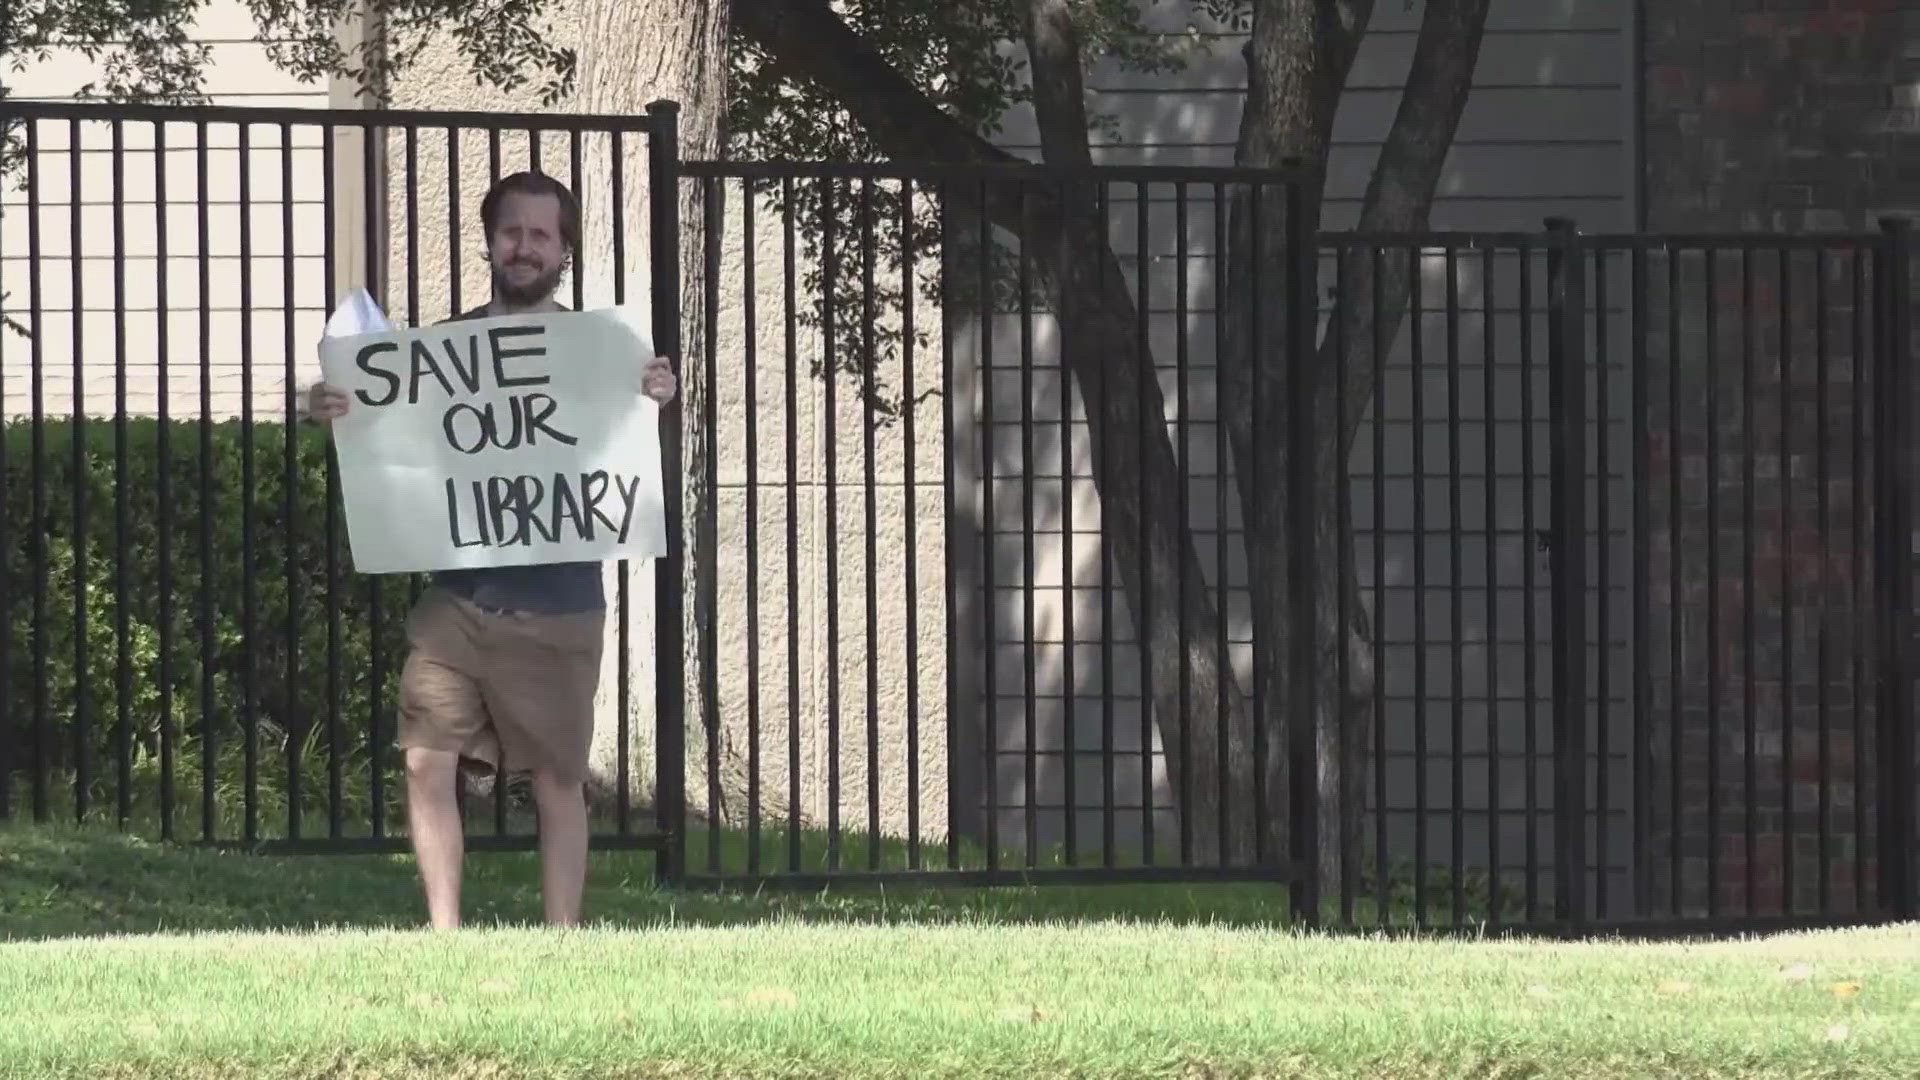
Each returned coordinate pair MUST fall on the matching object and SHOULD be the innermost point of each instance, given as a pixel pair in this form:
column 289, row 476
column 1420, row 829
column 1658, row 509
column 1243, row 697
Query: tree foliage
column 145, row 50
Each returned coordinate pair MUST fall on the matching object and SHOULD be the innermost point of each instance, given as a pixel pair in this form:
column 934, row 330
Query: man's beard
column 534, row 292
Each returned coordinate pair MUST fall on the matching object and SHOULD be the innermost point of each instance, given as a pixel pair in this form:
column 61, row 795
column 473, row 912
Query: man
column 504, row 661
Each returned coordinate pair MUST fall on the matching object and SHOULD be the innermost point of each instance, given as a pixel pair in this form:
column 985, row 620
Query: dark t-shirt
column 548, row 589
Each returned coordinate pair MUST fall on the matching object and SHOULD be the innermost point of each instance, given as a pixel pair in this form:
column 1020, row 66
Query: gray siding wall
column 1546, row 133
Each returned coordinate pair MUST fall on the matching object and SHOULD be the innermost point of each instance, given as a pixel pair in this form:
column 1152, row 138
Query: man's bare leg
column 433, row 824
column 563, row 845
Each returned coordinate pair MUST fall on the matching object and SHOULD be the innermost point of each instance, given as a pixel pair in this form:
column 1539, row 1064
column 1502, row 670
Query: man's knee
column 431, row 767
column 548, row 784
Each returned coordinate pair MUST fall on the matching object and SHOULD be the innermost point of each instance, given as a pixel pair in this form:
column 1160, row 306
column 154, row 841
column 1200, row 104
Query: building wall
column 280, row 179
column 1801, row 119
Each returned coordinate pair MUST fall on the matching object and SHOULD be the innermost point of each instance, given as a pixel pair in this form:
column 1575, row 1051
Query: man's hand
column 326, row 402
column 657, row 380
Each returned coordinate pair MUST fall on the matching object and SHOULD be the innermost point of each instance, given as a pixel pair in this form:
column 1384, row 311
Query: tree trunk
column 1298, row 61
column 636, row 52
column 1151, row 546
column 1190, row 676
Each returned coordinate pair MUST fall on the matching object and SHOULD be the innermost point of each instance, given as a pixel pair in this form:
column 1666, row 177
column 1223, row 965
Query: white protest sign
column 505, row 441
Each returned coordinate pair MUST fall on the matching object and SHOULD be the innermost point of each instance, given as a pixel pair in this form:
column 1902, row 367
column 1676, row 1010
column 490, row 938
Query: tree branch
column 1400, row 193
column 808, row 41
column 1059, row 94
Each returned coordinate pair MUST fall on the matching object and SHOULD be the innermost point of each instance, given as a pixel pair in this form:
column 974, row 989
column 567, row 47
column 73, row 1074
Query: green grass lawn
column 119, row 958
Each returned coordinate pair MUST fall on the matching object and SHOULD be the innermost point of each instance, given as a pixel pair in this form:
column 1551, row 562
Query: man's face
column 526, row 250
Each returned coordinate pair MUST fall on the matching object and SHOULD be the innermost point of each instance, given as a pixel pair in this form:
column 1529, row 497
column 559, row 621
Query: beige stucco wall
column 413, row 274
column 792, row 615
column 241, row 73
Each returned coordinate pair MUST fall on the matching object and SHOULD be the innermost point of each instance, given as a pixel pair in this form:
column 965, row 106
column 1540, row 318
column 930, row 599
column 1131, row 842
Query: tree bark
column 1298, row 61
column 636, row 52
column 1126, row 412
column 1190, row 676
column 1298, row 58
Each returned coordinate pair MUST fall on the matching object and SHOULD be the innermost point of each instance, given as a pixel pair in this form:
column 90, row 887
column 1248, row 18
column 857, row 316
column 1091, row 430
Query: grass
column 125, row 959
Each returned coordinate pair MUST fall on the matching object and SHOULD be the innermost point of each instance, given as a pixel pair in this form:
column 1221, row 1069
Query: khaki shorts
column 506, row 690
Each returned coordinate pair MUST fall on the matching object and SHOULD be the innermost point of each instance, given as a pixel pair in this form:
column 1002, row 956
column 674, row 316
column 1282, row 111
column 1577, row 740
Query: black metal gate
column 990, row 484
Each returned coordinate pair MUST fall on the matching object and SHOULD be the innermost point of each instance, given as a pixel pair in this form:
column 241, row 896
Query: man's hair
column 533, row 183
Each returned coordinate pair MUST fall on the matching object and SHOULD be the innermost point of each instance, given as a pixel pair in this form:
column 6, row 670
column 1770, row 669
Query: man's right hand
column 326, row 403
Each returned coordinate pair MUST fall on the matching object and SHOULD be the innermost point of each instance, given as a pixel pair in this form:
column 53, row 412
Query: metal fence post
column 670, row 763
column 1894, row 561
column 1302, row 315
column 1567, row 560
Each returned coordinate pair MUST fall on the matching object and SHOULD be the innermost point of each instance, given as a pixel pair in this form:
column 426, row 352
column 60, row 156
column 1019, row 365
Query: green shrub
column 215, row 647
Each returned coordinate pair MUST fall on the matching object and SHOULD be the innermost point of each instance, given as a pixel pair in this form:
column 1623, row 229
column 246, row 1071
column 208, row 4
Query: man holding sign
column 538, row 435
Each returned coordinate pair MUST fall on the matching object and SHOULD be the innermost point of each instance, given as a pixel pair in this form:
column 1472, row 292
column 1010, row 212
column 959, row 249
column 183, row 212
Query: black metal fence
column 1002, row 490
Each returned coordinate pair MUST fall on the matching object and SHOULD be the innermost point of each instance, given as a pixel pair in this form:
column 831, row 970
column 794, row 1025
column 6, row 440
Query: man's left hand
column 657, row 380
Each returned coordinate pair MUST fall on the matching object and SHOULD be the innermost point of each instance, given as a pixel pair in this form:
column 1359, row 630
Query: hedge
column 213, row 643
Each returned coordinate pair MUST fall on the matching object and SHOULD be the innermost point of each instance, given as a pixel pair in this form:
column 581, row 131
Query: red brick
column 1737, row 97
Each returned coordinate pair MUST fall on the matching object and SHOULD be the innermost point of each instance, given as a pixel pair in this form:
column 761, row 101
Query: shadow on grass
column 69, row 881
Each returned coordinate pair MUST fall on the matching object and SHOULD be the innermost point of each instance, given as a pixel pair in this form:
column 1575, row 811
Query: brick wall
column 1781, row 115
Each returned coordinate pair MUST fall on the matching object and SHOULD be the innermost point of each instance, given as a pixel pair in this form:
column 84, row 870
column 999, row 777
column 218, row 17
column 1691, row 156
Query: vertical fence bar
column 410, row 142
column 1343, row 673
column 1823, row 672
column 1456, row 647
column 750, row 357
column 1861, row 626
column 453, row 234
column 1897, row 826
column 574, row 169
column 990, row 593
column 1787, row 703
column 829, row 304
column 1182, row 372
column 1303, row 324
column 1489, row 389
column 1221, row 456
column 1069, row 585
column 209, row 742
column 164, row 471
column 870, row 514
column 1378, row 316
column 949, row 250
column 82, row 476
column 122, row 624
column 1417, row 380
column 1253, row 527
column 296, row 722
column 623, row 610
column 1711, row 271
column 910, row 493
column 377, row 675
column 1748, row 581
column 1567, row 391
column 1603, row 569
column 410, row 187
column 1676, row 638
column 330, row 525
column 1529, row 631
column 8, row 742
column 249, row 687
column 706, row 602
column 1642, row 586
column 663, row 204
column 37, row 521
column 791, row 308
column 1143, row 625
column 1029, row 561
